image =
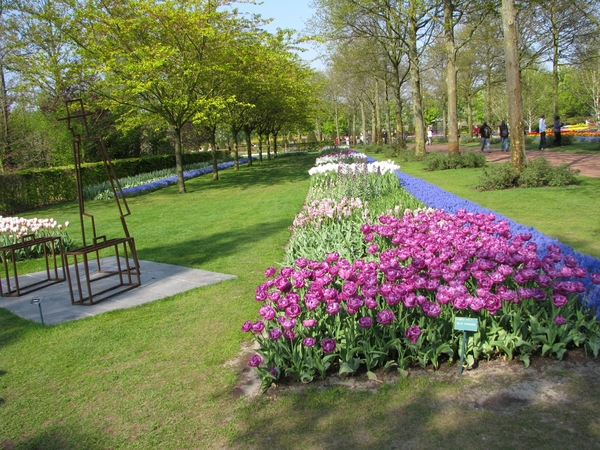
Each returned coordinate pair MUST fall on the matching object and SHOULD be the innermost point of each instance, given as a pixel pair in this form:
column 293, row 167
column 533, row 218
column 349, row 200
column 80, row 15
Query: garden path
column 588, row 165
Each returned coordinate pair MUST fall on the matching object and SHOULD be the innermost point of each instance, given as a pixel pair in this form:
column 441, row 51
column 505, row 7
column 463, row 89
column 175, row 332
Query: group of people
column 486, row 135
column 556, row 129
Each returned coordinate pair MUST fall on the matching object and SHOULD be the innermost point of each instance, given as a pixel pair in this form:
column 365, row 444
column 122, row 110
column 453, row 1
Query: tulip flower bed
column 395, row 305
column 13, row 229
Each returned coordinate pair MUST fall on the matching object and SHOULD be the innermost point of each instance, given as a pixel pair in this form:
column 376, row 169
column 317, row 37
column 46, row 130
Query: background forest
column 173, row 76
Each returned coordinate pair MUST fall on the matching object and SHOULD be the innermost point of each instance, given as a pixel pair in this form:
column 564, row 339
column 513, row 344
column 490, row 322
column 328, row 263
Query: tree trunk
column 260, row 142
column 213, row 144
column 5, row 144
column 555, row 57
column 337, row 125
column 451, row 79
column 268, row 146
column 179, row 159
column 513, row 84
column 388, row 125
column 354, row 126
column 415, row 79
column 470, row 117
column 399, row 120
column 236, row 155
column 275, row 144
column 248, row 133
column 363, row 124
column 373, row 125
column 377, row 113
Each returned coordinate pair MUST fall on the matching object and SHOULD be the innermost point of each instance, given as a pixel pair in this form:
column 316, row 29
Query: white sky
column 293, row 14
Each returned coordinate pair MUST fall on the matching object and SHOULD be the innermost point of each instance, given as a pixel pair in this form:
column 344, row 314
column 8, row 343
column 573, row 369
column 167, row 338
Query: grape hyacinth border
column 159, row 184
column 435, row 197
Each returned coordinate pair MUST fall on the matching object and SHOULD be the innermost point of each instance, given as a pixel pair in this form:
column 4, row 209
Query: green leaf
column 345, row 369
column 372, row 376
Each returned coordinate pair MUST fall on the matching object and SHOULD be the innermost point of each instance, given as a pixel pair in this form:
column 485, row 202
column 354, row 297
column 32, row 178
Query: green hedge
column 27, row 189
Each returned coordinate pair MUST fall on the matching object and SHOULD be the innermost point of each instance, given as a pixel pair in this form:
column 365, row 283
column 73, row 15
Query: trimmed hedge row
column 27, row 189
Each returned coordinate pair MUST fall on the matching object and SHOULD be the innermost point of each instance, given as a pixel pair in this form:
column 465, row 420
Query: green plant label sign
column 465, row 324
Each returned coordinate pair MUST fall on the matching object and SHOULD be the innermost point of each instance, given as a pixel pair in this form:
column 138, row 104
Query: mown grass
column 155, row 376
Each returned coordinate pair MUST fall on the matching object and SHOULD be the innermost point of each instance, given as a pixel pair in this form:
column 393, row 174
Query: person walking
column 503, row 132
column 429, row 135
column 557, row 130
column 486, row 134
column 542, row 129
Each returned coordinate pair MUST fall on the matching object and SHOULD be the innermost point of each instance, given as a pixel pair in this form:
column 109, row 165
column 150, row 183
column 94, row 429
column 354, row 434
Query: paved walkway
column 158, row 281
column 588, row 165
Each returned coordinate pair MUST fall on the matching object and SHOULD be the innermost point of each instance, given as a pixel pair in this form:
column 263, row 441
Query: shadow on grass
column 207, row 248
column 268, row 173
column 61, row 437
column 13, row 327
column 513, row 412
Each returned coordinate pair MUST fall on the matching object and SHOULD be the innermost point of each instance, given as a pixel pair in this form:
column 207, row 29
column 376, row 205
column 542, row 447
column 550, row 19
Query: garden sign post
column 465, row 324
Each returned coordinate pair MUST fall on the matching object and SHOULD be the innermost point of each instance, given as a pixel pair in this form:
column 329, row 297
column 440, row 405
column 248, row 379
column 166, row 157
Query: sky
column 292, row 14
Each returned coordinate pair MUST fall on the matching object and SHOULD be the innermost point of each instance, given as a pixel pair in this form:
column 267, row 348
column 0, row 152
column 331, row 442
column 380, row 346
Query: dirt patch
column 501, row 385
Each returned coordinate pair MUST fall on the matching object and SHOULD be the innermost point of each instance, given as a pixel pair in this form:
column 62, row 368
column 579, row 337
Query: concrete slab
column 158, row 281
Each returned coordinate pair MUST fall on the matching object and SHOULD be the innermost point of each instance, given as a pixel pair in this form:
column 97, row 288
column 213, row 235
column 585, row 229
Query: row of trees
column 146, row 66
column 416, row 60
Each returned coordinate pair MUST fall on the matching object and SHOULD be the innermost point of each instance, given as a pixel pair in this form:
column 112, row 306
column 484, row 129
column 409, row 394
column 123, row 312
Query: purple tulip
column 268, row 312
column 270, row 272
column 247, row 326
column 275, row 333
column 332, row 308
column 274, row 296
column 560, row 320
column 333, row 256
column 258, row 326
column 261, row 293
column 302, row 262
column 293, row 311
column 413, row 333
column 288, row 324
column 365, row 322
column 370, row 303
column 287, row 272
column 255, row 361
column 308, row 323
column 570, row 261
column 308, row 341
column 559, row 300
column 431, row 309
column 289, row 335
column 328, row 345
column 595, row 277
column 385, row 317
column 349, row 288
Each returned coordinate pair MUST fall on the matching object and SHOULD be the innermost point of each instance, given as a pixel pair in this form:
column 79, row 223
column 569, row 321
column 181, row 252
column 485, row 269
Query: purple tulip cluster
column 435, row 197
column 464, row 264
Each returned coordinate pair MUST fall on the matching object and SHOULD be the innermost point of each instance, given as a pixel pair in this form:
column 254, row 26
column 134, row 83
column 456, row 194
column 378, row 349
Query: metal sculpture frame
column 49, row 244
column 127, row 270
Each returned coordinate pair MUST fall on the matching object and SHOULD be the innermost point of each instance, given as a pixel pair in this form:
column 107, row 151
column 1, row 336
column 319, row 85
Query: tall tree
column 563, row 32
column 159, row 59
column 513, row 83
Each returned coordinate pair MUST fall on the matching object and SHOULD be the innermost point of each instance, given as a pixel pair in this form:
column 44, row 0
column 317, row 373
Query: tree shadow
column 62, row 437
column 272, row 172
column 208, row 248
column 515, row 409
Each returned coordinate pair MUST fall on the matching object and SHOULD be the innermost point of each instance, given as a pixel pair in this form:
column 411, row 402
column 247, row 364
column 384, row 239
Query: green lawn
column 156, row 376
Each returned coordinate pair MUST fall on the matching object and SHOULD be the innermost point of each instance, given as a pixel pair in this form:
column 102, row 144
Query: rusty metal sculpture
column 125, row 274
column 53, row 252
